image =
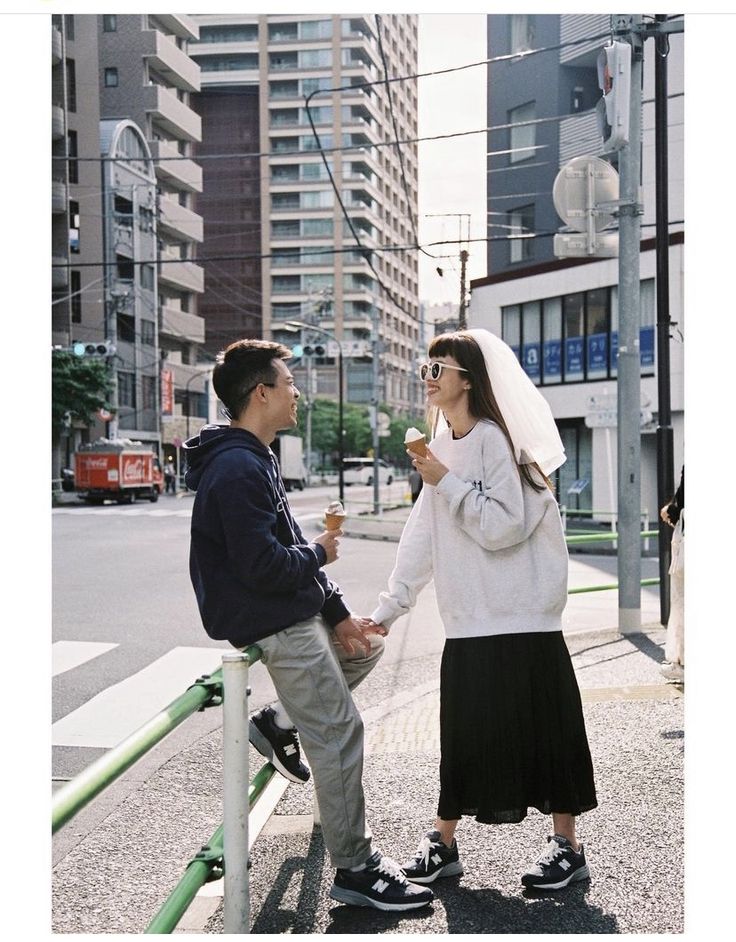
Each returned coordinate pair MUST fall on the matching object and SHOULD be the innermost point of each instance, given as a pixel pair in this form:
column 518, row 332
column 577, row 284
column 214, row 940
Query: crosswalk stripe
column 66, row 655
column 121, row 512
column 121, row 709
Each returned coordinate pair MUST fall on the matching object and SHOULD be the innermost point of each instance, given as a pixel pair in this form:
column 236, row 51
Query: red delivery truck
column 120, row 470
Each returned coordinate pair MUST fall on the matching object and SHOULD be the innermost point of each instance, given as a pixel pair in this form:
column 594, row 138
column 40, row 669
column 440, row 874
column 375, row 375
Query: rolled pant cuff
column 344, row 863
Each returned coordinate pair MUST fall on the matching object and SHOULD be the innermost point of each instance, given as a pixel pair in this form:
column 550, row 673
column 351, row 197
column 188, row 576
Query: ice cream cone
column 418, row 447
column 334, row 521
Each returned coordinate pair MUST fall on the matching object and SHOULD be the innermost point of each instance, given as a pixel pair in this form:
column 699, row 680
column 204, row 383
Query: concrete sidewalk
column 114, row 877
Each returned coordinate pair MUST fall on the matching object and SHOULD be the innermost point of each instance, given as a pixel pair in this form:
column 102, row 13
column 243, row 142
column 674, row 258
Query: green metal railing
column 205, row 866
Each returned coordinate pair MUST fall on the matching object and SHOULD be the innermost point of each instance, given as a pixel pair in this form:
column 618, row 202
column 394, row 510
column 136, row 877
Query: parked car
column 360, row 471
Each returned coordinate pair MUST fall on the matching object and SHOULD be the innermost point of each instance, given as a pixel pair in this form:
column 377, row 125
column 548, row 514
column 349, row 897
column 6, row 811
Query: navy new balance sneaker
column 557, row 866
column 380, row 884
column 433, row 859
column 279, row 746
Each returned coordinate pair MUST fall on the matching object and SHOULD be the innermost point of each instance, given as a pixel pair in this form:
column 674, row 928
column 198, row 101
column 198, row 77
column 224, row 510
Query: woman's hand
column 431, row 470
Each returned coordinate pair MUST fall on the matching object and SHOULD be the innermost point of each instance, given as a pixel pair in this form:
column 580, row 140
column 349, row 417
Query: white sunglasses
column 434, row 369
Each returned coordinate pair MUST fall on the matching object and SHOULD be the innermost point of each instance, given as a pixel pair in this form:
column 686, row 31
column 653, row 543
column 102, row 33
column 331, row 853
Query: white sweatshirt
column 494, row 546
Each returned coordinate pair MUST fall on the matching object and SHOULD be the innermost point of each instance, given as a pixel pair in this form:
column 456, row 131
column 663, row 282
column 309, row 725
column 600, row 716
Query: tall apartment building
column 147, row 76
column 256, row 72
column 561, row 315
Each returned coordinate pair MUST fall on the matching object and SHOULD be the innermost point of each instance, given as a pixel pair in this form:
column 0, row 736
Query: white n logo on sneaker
column 436, row 859
column 379, row 886
column 565, row 865
column 290, row 749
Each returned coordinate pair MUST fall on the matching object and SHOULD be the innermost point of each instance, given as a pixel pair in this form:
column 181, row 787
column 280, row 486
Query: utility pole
column 375, row 399
column 629, row 362
column 462, row 322
column 665, row 449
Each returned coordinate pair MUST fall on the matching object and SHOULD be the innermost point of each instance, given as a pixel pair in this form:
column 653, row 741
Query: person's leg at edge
column 447, row 830
column 564, row 825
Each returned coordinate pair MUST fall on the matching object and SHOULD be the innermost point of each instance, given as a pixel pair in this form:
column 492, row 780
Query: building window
column 126, row 389
column 521, row 224
column 574, row 324
column 69, row 25
column 71, row 85
column 72, row 152
column 126, row 328
column 596, row 305
column 109, row 23
column 111, row 78
column 76, row 296
column 522, row 32
column 228, row 34
column 552, row 341
column 74, row 227
column 148, row 333
column 522, row 136
column 148, row 391
column 147, row 277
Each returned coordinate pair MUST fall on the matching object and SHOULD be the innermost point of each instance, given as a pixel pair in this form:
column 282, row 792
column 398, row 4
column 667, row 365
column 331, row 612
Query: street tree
column 79, row 387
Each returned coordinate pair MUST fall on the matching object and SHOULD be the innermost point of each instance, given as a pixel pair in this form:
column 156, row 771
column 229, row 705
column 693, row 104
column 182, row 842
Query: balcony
column 184, row 174
column 181, row 325
column 176, row 118
column 59, row 196
column 57, row 122
column 56, row 46
column 179, row 24
column 181, row 275
column 179, row 221
column 59, row 276
column 168, row 60
column 578, row 26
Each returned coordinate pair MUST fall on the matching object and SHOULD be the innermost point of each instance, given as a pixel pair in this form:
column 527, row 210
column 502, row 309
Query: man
column 258, row 580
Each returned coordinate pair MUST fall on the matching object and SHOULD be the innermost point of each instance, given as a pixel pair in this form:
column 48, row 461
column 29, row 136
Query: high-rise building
column 320, row 261
column 561, row 314
column 146, row 75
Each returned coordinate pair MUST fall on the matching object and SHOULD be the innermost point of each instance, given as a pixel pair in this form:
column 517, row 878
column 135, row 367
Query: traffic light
column 614, row 79
column 105, row 348
column 314, row 349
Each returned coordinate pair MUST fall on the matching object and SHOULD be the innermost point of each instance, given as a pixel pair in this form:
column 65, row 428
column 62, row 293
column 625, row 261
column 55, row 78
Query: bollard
column 236, row 903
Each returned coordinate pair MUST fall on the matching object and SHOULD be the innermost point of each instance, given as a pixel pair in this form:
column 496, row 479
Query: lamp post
column 302, row 325
column 189, row 394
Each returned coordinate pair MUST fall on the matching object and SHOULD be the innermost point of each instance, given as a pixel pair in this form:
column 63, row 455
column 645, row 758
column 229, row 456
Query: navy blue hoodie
column 252, row 570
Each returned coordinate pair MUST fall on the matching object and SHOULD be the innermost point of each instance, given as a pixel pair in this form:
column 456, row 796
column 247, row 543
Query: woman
column 487, row 528
column 673, row 514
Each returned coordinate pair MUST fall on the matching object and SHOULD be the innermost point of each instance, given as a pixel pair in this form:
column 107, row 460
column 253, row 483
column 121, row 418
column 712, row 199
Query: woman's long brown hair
column 482, row 404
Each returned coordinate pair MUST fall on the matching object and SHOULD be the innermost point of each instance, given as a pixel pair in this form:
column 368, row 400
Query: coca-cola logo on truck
column 95, row 464
column 134, row 470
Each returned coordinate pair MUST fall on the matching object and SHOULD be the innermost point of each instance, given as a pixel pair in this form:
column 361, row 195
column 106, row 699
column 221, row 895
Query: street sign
column 603, row 411
column 384, row 421
column 579, row 186
column 350, row 348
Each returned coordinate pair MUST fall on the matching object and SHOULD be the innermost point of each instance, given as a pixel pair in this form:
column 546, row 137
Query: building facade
column 316, row 249
column 561, row 315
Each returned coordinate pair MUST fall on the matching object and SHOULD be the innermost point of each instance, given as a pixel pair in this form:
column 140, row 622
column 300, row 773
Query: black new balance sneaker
column 433, row 859
column 380, row 884
column 280, row 746
column 557, row 866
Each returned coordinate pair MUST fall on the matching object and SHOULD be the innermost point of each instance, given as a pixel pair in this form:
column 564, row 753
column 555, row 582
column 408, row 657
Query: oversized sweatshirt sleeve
column 495, row 516
column 412, row 569
column 247, row 513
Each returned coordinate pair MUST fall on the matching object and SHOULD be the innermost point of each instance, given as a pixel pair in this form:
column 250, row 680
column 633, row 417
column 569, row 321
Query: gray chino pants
column 313, row 677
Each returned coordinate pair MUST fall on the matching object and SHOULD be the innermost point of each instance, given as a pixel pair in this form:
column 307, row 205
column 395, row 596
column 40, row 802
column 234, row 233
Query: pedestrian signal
column 614, row 80
column 314, row 349
column 104, row 349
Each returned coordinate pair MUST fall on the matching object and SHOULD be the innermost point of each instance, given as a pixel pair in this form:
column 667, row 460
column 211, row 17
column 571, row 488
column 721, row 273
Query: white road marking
column 66, row 655
column 118, row 711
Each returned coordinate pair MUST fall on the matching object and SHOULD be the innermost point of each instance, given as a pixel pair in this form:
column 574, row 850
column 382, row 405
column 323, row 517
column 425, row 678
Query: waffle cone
column 418, row 447
column 334, row 521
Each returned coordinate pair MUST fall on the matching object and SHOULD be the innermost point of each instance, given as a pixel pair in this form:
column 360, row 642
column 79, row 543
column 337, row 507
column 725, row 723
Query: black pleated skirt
column 512, row 731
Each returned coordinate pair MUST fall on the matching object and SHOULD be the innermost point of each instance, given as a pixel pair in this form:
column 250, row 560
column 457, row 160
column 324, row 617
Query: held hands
column 352, row 633
column 329, row 543
column 431, row 470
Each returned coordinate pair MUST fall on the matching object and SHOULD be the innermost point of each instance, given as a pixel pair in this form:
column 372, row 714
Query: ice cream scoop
column 416, row 442
column 334, row 515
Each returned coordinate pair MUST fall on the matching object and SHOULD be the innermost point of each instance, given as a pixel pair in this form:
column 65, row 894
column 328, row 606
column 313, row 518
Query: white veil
column 526, row 412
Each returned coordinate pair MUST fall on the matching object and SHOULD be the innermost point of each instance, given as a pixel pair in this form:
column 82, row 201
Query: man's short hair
column 241, row 367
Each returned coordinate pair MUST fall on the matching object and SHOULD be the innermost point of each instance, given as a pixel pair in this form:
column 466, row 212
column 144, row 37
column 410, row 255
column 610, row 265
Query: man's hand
column 352, row 636
column 329, row 543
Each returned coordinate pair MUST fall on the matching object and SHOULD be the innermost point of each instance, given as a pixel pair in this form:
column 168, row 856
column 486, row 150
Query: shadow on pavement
column 274, row 917
column 356, row 920
column 534, row 912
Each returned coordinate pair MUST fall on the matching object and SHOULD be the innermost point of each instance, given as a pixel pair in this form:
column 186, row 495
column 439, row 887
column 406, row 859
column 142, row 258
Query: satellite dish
column 582, row 184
